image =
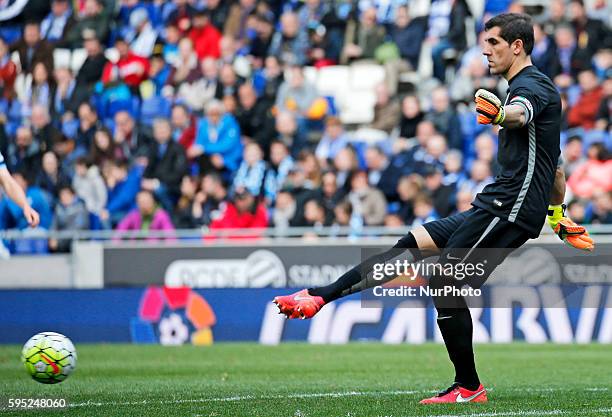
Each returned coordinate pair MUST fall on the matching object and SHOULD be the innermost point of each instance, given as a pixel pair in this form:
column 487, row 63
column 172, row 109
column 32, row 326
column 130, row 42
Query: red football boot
column 299, row 305
column 457, row 394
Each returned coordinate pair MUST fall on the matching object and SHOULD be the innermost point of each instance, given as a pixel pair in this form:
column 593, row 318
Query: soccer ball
column 49, row 357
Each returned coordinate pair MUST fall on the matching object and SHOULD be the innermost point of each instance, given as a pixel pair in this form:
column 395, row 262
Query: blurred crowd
column 163, row 115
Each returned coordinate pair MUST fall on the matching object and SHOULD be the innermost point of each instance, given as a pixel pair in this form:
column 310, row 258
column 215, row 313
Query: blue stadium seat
column 154, row 107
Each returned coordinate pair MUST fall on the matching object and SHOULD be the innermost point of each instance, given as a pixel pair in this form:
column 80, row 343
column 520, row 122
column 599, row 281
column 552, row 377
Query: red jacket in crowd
column 132, row 69
column 231, row 218
column 584, row 112
column 206, row 41
column 8, row 74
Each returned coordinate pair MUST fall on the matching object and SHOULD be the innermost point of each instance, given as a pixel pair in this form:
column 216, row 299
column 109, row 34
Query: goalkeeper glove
column 489, row 108
column 569, row 232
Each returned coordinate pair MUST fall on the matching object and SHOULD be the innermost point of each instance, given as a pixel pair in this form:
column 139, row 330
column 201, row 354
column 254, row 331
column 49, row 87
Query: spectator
column 445, row 118
column 32, row 49
column 334, row 139
column 148, row 216
column 122, row 185
column 38, row 90
column 235, row 25
column 170, row 50
column 183, row 126
column 205, row 37
column 183, row 212
column 103, row 149
column 556, row 16
column 243, row 212
column 228, row 81
column 201, row 85
column 331, row 195
column 181, row 15
column 254, row 116
column 92, row 69
column 368, row 202
column 281, row 163
column 486, row 150
column 315, row 214
column 166, row 165
column 58, row 22
column 382, row 174
column 11, row 215
column 70, row 215
column 144, row 36
column 595, row 173
column 25, row 153
column 480, row 176
column 43, row 130
column 591, row 34
column 296, row 94
column 217, row 141
column 129, row 68
column 309, row 164
column 584, row 112
column 67, row 96
column 408, row 34
column 268, row 80
column 386, row 110
column 424, row 211
column 287, row 132
column 128, row 137
column 599, row 211
column 453, row 168
column 89, row 186
column 290, row 44
column 432, row 155
column 544, row 54
column 218, row 11
column 264, row 28
column 576, row 210
column 284, row 210
column 464, row 201
column 252, row 171
column 210, row 200
column 8, row 73
column 345, row 162
column 447, row 31
column 52, row 177
column 571, row 60
column 441, row 195
column 93, row 22
column 361, row 39
column 604, row 114
column 88, row 124
column 573, row 155
column 408, row 188
column 411, row 116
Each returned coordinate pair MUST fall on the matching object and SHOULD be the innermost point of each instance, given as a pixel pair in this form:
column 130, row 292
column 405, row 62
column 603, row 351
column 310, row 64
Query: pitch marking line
column 532, row 413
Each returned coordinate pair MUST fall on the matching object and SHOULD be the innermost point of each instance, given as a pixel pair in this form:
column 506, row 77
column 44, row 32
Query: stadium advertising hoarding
column 183, row 315
column 260, row 266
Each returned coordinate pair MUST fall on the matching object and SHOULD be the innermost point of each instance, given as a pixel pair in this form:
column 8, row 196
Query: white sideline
column 317, row 395
column 531, row 413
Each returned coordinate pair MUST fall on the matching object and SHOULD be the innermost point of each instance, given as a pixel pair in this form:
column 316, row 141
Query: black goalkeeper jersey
column 527, row 156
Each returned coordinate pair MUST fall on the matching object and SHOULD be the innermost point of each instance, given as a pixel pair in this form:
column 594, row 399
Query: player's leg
column 421, row 242
column 480, row 230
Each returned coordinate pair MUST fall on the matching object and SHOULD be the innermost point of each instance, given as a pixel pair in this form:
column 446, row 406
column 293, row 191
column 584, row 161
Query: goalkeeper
column 504, row 215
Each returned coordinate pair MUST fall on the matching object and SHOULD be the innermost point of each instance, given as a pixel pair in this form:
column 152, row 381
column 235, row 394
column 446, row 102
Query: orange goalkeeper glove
column 489, row 108
column 569, row 232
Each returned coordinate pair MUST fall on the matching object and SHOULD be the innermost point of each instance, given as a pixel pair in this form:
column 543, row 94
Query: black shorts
column 473, row 236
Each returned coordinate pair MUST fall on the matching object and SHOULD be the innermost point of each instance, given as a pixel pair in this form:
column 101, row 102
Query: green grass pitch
column 359, row 379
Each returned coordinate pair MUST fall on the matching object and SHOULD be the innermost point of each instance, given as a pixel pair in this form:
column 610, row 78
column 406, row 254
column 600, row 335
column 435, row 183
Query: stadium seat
column 366, row 76
column 61, row 58
column 357, row 107
column 333, row 80
column 154, row 107
column 78, row 58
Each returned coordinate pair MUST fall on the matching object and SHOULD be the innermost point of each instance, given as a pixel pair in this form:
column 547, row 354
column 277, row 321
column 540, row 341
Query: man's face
column 145, row 203
column 498, row 52
column 162, row 132
column 31, row 34
column 58, row 8
column 179, row 117
column 123, row 122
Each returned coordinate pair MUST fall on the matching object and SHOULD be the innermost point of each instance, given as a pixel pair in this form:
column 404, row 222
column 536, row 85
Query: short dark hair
column 514, row 26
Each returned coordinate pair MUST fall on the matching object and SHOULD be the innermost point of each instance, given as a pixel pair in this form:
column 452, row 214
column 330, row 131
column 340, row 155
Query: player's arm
column 568, row 231
column 15, row 193
column 517, row 113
